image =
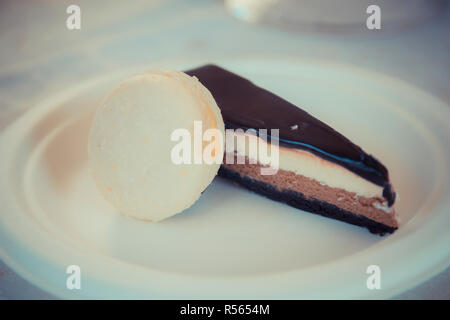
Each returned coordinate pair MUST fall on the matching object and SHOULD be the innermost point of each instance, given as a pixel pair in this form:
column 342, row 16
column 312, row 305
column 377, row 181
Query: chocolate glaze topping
column 247, row 106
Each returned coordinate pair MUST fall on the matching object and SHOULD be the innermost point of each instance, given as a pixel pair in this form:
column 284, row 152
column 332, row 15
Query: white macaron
column 131, row 144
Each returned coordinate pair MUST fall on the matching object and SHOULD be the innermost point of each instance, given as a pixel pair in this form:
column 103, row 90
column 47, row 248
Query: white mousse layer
column 309, row 165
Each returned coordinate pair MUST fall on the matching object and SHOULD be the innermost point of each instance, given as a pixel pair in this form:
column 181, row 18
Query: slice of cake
column 320, row 170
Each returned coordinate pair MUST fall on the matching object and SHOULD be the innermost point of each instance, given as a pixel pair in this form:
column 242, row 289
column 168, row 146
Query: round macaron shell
column 130, row 144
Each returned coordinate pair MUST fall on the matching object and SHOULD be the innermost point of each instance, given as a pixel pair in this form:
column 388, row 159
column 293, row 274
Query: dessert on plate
column 320, row 170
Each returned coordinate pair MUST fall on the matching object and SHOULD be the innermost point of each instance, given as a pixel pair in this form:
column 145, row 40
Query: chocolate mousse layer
column 307, row 194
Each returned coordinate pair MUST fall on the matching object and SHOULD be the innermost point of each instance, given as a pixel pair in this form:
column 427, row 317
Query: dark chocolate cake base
column 299, row 201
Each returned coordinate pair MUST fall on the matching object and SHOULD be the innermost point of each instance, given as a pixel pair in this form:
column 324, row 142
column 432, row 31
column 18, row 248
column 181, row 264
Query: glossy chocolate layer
column 245, row 105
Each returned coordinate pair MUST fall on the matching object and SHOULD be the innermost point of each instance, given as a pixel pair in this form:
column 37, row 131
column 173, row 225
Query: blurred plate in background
column 333, row 16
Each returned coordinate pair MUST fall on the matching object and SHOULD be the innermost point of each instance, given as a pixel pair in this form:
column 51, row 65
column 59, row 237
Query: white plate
column 231, row 243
